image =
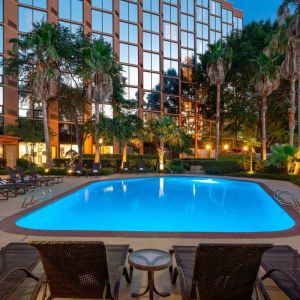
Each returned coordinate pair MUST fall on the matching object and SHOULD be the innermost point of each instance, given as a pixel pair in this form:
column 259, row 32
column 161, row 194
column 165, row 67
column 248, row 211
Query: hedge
column 220, row 167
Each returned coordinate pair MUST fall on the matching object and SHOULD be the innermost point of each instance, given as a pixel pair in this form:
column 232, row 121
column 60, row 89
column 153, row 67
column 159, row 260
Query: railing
column 290, row 199
column 36, row 195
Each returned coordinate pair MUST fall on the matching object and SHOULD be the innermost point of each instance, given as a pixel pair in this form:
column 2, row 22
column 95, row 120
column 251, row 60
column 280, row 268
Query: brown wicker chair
column 82, row 269
column 219, row 271
column 17, row 260
column 282, row 265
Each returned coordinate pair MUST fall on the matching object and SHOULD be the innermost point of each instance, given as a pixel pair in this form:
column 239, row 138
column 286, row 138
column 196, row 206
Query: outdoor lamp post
column 208, row 148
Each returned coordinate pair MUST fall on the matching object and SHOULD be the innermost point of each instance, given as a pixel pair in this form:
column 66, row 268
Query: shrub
column 23, row 163
column 176, row 166
column 61, row 162
column 107, row 171
column 57, row 171
column 219, row 167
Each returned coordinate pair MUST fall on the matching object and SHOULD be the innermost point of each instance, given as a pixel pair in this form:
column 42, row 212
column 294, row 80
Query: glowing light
column 86, row 195
column 206, row 181
column 161, row 187
column 226, row 147
column 208, row 147
column 100, row 141
column 109, row 189
column 47, row 170
column 161, row 167
column 70, row 171
column 124, row 186
column 245, row 148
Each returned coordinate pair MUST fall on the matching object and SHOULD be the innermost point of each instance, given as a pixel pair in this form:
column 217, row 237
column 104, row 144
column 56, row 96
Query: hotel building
column 157, row 43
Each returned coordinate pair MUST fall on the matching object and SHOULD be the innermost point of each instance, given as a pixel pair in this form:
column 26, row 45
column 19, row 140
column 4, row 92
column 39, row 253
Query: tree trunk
column 263, row 129
column 299, row 112
column 292, row 111
column 78, row 140
column 49, row 161
column 161, row 155
column 218, row 121
column 124, row 155
column 97, row 145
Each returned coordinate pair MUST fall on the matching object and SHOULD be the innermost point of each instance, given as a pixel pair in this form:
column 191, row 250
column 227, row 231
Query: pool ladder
column 36, row 195
column 290, row 199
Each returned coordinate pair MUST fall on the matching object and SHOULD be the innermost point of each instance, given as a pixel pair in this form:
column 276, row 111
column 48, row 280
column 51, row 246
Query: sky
column 255, row 10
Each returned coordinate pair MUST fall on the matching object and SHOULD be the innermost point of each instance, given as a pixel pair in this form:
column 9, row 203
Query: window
column 171, row 86
column 171, row 105
column 128, row 54
column 131, row 75
column 203, row 3
column 151, row 22
column 170, row 31
column 187, row 56
column 128, row 11
column 214, row 36
column 28, row 16
column 106, row 38
column 151, row 41
column 71, row 10
column 175, row 2
column 103, row 4
column 1, row 10
column 37, row 3
column 151, row 62
column 215, row 8
column 202, row 31
column 1, row 100
column 128, row 33
column 187, row 74
column 171, row 67
column 170, row 13
column 227, row 16
column 237, row 23
column 28, row 107
column 151, row 101
column 171, row 50
column 102, row 21
column 187, row 22
column 226, row 29
column 151, row 5
column 151, row 81
column 187, row 90
column 187, row 39
column 215, row 23
column 1, row 39
column 131, row 93
column 201, row 46
column 74, row 28
column 202, row 15
column 187, row 6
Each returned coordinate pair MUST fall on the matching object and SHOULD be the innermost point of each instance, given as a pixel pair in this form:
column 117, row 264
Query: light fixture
column 47, row 170
column 226, row 147
column 208, row 147
column 100, row 141
column 245, row 148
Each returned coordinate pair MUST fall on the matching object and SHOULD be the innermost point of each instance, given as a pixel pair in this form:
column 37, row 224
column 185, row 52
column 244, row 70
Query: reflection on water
column 109, row 189
column 161, row 188
column 206, row 181
column 124, row 187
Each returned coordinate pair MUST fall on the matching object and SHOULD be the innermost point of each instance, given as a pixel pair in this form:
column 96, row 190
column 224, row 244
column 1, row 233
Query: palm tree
column 217, row 61
column 266, row 80
column 290, row 68
column 36, row 59
column 101, row 69
column 165, row 133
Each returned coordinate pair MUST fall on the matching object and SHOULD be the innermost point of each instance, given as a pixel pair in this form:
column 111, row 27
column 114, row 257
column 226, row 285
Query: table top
column 150, row 259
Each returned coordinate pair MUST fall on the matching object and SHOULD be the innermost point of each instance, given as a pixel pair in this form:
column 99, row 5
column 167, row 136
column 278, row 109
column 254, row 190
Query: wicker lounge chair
column 96, row 169
column 14, row 189
column 32, row 179
column 18, row 180
column 83, row 269
column 126, row 167
column 52, row 179
column 78, row 169
column 219, row 271
column 17, row 260
column 282, row 265
column 141, row 168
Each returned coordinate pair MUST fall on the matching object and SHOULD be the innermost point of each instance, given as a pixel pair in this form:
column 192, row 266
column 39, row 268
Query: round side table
column 150, row 260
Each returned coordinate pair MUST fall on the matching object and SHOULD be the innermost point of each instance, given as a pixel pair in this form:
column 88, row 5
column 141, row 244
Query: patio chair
column 31, row 179
column 219, row 271
column 82, row 269
column 14, row 189
column 17, row 260
column 52, row 179
column 141, row 168
column 14, row 179
column 96, row 169
column 126, row 167
column 282, row 265
column 78, row 169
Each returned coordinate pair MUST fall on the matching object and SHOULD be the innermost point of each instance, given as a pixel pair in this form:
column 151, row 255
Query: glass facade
column 158, row 43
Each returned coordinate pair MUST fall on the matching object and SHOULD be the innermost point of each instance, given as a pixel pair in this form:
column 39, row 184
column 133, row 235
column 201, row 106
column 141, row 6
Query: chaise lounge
column 82, row 269
column 282, row 265
column 219, row 271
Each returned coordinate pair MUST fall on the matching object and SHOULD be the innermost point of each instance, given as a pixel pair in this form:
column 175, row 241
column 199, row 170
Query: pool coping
column 8, row 225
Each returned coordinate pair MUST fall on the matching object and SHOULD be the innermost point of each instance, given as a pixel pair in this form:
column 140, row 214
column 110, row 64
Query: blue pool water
column 166, row 204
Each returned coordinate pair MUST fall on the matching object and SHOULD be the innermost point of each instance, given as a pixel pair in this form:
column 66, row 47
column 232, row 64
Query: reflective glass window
column 102, row 21
column 171, row 50
column 37, row 3
column 74, row 28
column 151, row 41
column 151, row 101
column 203, row 3
column 202, row 15
column 151, row 61
column 187, row 22
column 170, row 13
column 171, row 105
column 128, row 54
column 171, row 67
column 103, row 4
column 187, row 6
column 71, row 10
column 151, row 22
column 151, row 5
column 202, row 31
column 171, row 86
column 29, row 16
column 128, row 11
column 151, row 81
column 170, row 31
column 131, row 75
column 128, row 32
column 215, row 8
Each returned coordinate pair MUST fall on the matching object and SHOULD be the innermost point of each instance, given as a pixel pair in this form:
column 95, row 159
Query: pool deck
column 13, row 206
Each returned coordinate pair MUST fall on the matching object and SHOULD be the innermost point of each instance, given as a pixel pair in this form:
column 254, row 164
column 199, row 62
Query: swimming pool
column 163, row 204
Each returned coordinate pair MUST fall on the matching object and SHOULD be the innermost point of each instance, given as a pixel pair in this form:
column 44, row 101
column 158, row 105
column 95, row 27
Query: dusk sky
column 258, row 9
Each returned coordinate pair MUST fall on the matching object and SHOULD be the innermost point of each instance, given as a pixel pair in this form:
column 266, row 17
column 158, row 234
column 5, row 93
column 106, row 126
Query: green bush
column 58, row 171
column 3, row 172
column 23, row 163
column 107, row 171
column 61, row 162
column 219, row 167
column 176, row 166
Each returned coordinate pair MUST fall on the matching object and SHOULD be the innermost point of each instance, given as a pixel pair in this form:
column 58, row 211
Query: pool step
column 287, row 198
